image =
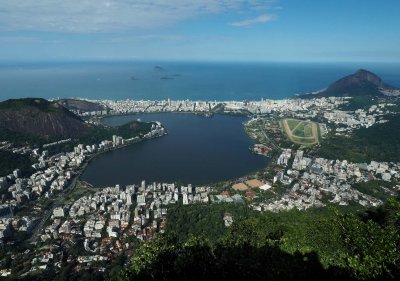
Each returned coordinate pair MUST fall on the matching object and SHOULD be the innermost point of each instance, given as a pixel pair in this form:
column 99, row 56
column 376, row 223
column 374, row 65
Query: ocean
column 176, row 80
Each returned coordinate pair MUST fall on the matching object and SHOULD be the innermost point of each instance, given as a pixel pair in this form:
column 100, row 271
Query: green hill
column 317, row 244
column 41, row 118
column 361, row 83
column 10, row 161
column 379, row 143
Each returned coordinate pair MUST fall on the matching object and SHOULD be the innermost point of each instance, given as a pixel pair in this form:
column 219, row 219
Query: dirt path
column 298, row 124
column 315, row 132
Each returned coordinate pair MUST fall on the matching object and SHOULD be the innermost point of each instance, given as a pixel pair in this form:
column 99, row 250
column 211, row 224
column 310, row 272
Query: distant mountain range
column 36, row 116
column 361, row 83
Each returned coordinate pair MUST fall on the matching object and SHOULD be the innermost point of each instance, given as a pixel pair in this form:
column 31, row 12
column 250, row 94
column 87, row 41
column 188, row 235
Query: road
column 38, row 229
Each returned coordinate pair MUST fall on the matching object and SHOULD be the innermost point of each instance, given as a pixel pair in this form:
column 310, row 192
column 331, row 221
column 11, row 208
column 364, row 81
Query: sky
column 210, row 30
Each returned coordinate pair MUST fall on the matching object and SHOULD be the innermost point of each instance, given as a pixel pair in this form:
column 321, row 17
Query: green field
column 303, row 141
column 301, row 131
column 292, row 123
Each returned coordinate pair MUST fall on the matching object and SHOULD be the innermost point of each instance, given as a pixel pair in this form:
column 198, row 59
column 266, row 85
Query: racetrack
column 302, row 137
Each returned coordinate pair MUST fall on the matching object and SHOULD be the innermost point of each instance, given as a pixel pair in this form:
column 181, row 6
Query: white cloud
column 110, row 15
column 260, row 19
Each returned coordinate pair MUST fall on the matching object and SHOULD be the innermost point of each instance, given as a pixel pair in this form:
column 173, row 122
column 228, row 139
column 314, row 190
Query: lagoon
column 197, row 150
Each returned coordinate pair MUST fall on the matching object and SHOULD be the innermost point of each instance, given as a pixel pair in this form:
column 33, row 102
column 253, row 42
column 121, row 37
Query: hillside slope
column 361, row 83
column 40, row 117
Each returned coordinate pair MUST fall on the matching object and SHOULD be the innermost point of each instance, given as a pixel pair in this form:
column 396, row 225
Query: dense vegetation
column 129, row 130
column 359, row 102
column 375, row 188
column 202, row 220
column 11, row 161
column 97, row 132
column 22, row 138
column 34, row 103
column 95, row 135
column 38, row 121
column 41, row 118
column 379, row 142
column 321, row 243
column 365, row 102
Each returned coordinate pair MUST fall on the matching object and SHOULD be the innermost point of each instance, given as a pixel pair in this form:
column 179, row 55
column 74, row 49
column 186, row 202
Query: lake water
column 197, row 150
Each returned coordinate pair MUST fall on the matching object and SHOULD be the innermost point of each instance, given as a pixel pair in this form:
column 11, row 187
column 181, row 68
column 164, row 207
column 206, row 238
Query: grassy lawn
column 292, row 123
column 303, row 130
column 299, row 131
column 77, row 193
column 308, row 130
column 303, row 141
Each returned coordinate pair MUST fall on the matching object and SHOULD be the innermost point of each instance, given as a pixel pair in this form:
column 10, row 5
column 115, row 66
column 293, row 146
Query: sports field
column 300, row 131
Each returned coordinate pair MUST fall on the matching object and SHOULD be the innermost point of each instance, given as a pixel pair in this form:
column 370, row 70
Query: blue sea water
column 190, row 80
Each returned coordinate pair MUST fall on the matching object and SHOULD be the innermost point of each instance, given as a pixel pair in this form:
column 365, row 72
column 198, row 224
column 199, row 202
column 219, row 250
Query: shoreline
column 249, row 108
column 230, row 180
column 95, row 155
